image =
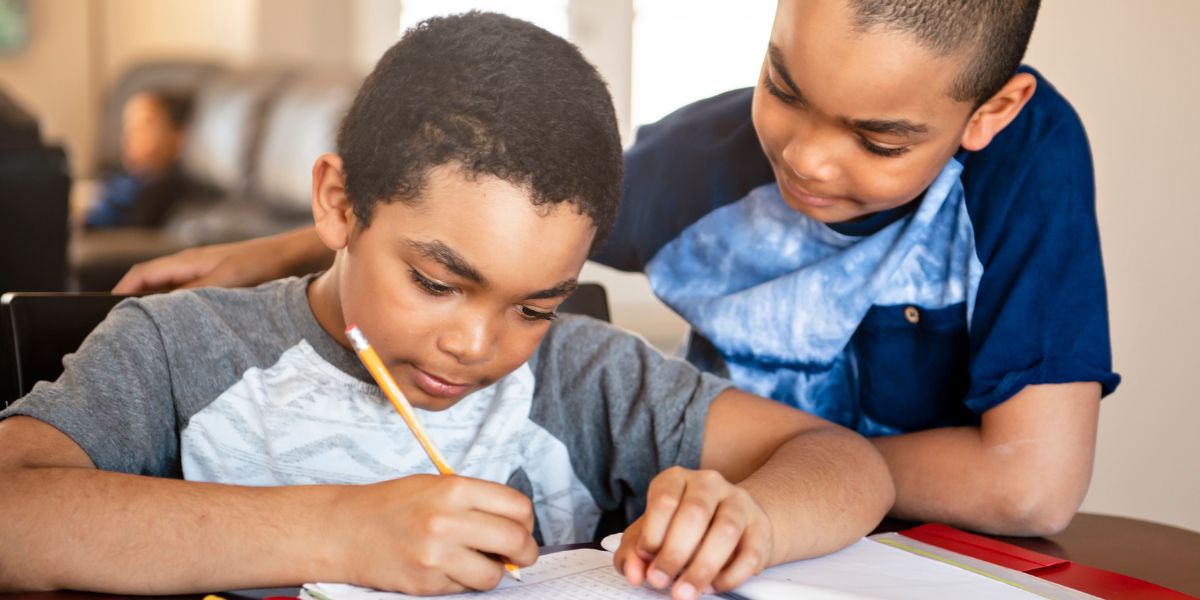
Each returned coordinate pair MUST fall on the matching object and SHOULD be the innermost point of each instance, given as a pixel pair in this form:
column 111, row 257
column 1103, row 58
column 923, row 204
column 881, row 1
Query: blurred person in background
column 142, row 191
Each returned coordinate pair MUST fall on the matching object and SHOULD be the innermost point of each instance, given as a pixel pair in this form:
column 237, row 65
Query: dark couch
column 35, row 186
column 253, row 137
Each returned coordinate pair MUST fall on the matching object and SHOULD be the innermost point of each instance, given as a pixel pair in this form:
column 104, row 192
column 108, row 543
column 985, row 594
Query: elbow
column 1035, row 517
column 877, row 487
column 1033, row 508
column 887, row 491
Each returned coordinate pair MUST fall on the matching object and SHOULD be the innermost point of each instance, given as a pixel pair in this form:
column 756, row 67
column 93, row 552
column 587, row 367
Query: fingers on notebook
column 630, row 561
column 699, row 533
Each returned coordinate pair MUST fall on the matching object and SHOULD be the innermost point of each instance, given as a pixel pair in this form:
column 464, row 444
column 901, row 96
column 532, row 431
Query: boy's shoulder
column 155, row 362
column 232, row 302
column 1047, row 129
column 620, row 365
column 197, row 330
column 255, row 313
column 1035, row 175
column 576, row 338
column 573, row 338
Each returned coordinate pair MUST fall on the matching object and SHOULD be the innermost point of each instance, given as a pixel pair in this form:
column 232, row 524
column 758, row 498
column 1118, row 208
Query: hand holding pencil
column 370, row 359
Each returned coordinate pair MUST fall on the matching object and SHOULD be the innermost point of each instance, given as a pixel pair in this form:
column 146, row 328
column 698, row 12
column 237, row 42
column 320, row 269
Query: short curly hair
column 494, row 95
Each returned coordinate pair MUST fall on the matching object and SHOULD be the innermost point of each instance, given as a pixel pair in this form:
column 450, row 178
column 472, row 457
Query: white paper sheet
column 864, row 570
column 582, row 574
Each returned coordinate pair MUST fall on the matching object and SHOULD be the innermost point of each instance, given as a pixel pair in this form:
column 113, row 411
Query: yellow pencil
column 374, row 365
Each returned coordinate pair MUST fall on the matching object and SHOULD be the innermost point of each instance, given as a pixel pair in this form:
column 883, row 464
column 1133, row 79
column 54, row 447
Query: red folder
column 1096, row 582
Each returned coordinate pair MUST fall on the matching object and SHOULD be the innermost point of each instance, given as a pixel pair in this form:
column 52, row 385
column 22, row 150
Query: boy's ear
column 331, row 207
column 994, row 115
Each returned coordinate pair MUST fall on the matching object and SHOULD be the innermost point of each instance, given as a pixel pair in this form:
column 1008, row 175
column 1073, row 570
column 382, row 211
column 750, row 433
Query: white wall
column 1130, row 70
column 53, row 77
column 132, row 30
column 376, row 26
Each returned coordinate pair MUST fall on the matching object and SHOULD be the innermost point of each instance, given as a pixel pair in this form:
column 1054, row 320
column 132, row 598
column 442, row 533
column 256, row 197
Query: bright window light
column 550, row 15
column 687, row 50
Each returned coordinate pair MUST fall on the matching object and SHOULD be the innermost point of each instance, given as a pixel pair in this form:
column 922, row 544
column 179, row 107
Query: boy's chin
column 434, row 404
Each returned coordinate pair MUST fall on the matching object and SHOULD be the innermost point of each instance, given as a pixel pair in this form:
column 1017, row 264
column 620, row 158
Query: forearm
column 79, row 528
column 822, row 490
column 955, row 475
column 303, row 251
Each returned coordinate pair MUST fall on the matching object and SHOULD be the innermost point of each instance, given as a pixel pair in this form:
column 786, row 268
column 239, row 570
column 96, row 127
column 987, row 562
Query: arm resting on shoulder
column 1023, row 471
column 234, row 264
column 821, row 485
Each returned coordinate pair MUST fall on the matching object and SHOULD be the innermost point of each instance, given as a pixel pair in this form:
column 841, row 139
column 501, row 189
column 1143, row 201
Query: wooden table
column 1161, row 554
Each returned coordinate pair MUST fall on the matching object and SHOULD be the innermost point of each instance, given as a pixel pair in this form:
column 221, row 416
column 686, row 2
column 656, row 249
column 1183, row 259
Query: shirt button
column 912, row 314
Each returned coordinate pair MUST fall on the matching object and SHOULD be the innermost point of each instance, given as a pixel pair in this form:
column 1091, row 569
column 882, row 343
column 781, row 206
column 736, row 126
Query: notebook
column 885, row 566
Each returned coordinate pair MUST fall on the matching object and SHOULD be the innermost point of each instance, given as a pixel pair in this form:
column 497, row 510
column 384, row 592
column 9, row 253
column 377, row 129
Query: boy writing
column 475, row 170
column 895, row 230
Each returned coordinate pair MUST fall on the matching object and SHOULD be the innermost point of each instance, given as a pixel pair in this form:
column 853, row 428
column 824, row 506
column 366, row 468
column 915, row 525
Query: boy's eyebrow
column 776, row 58
column 452, row 260
column 560, row 289
column 888, row 126
column 902, row 127
column 448, row 258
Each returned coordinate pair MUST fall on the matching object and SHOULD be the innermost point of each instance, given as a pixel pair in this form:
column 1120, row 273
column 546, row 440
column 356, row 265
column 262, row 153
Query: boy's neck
column 874, row 222
column 326, row 306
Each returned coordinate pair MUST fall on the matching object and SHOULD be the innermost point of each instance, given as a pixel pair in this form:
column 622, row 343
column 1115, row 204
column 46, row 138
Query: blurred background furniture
column 35, row 187
column 251, row 142
column 38, row 330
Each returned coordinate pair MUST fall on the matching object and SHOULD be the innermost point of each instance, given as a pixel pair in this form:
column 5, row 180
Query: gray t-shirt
column 245, row 387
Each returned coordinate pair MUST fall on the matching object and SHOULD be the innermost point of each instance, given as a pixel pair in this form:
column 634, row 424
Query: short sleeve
column 1041, row 313
column 114, row 397
column 698, row 158
column 626, row 411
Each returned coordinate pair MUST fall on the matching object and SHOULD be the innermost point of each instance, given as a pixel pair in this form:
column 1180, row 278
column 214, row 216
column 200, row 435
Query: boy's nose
column 469, row 341
column 809, row 159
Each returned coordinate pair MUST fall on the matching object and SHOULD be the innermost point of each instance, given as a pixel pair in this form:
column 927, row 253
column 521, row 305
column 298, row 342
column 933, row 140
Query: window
column 550, row 15
column 687, row 50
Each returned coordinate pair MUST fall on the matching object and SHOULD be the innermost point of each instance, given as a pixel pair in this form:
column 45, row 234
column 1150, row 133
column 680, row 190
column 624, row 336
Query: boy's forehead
column 879, row 73
column 492, row 226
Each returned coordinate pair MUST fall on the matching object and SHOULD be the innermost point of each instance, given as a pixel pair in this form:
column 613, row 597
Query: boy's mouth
column 800, row 195
column 436, row 386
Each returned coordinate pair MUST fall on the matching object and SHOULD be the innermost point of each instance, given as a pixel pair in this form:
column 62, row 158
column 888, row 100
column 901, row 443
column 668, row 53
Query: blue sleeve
column 1041, row 312
column 699, row 158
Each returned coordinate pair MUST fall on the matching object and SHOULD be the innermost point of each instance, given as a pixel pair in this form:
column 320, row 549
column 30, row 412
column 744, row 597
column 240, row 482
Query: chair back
column 589, row 299
column 39, row 329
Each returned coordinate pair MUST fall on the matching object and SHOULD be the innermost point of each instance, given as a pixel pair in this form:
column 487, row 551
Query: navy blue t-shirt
column 924, row 316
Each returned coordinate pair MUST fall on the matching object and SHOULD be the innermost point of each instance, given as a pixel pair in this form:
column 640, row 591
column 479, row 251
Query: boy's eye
column 887, row 151
column 774, row 90
column 531, row 314
column 430, row 285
